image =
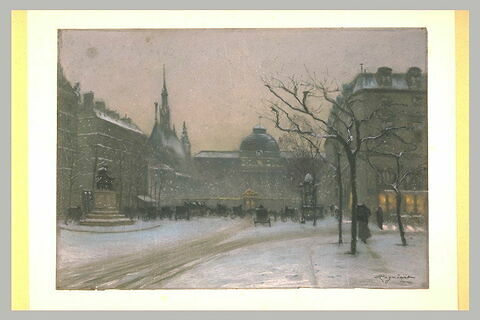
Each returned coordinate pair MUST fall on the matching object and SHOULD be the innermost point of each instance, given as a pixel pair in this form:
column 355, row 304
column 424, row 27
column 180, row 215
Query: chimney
column 88, row 100
column 414, row 75
column 384, row 76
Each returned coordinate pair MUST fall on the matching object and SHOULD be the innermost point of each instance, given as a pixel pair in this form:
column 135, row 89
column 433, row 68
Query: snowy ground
column 80, row 247
column 225, row 253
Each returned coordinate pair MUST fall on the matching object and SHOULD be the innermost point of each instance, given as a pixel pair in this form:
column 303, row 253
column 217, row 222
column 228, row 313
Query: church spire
column 164, row 90
column 165, row 108
column 185, row 140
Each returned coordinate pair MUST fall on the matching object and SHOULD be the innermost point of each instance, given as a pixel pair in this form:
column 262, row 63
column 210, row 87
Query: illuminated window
column 409, row 203
column 382, row 201
column 391, row 202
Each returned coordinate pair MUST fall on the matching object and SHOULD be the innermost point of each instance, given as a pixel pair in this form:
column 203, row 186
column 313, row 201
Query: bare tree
column 405, row 162
column 337, row 169
column 306, row 155
column 294, row 100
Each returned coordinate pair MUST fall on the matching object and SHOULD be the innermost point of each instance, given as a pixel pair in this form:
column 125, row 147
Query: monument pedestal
column 105, row 211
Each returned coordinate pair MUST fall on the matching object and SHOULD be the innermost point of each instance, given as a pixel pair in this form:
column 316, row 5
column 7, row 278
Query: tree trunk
column 353, row 186
column 398, row 196
column 340, row 198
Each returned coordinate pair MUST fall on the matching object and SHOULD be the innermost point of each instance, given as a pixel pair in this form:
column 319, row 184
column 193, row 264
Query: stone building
column 107, row 139
column 402, row 99
column 257, row 166
column 90, row 135
column 68, row 99
column 169, row 158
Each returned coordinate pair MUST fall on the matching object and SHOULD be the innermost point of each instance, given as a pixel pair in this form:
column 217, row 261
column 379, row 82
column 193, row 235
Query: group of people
column 363, row 214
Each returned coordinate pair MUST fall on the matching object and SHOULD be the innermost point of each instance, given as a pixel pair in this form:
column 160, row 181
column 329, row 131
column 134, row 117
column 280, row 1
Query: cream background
column 42, row 59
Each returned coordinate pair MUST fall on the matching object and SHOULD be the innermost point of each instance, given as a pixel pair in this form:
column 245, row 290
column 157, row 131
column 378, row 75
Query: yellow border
column 19, row 255
column 462, row 123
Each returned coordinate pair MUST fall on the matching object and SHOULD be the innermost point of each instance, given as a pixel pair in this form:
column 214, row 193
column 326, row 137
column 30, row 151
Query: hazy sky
column 214, row 76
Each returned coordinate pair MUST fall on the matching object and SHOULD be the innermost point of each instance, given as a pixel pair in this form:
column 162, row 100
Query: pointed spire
column 185, row 140
column 184, row 128
column 164, row 80
column 165, row 108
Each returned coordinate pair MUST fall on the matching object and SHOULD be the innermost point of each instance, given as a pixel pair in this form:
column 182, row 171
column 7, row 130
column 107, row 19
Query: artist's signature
column 385, row 278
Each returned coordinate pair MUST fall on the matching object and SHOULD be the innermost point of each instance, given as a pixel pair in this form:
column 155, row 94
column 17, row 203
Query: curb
column 94, row 231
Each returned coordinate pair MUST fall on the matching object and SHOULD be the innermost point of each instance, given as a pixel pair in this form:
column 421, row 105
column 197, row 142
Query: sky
column 214, row 76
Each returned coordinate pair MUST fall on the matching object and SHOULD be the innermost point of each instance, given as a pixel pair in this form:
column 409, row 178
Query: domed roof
column 258, row 140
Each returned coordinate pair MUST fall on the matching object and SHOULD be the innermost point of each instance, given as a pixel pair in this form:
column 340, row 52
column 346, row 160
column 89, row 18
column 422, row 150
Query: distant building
column 405, row 94
column 169, row 157
column 258, row 165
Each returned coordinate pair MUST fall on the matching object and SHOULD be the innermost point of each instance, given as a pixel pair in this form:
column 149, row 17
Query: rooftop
column 218, row 154
column 384, row 79
column 119, row 122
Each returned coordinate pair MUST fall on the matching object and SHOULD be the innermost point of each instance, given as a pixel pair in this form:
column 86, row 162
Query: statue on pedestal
column 103, row 180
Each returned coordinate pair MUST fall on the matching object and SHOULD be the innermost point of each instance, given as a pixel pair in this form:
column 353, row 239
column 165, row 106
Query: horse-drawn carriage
column 261, row 216
column 221, row 210
column 289, row 213
column 166, row 212
column 311, row 214
column 196, row 208
column 182, row 212
column 148, row 213
column 237, row 211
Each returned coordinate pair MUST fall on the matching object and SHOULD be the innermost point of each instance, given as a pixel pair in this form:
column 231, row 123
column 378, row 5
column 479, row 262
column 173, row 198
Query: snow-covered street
column 227, row 253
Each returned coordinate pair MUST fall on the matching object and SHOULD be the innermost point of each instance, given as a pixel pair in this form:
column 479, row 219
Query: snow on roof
column 218, row 154
column 145, row 198
column 118, row 122
column 369, row 81
column 179, row 174
column 163, row 166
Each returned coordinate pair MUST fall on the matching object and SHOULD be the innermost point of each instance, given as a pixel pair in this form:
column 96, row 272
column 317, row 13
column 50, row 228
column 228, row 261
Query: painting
column 239, row 160
column 242, row 158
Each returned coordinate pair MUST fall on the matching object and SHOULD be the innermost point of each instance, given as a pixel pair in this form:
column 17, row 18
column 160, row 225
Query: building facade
column 401, row 99
column 107, row 139
column 89, row 135
column 258, row 166
column 170, row 176
column 68, row 101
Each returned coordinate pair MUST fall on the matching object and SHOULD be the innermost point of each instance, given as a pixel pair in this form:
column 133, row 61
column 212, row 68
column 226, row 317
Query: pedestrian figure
column 379, row 214
column 336, row 211
column 363, row 213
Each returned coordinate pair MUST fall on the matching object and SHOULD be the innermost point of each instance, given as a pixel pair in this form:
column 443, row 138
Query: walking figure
column 363, row 213
column 379, row 214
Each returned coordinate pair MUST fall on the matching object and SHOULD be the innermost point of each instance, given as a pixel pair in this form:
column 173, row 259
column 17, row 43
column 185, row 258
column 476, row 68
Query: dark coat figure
column 336, row 212
column 379, row 214
column 363, row 213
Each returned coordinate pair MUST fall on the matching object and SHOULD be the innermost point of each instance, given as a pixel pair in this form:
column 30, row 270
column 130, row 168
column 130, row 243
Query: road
column 149, row 269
